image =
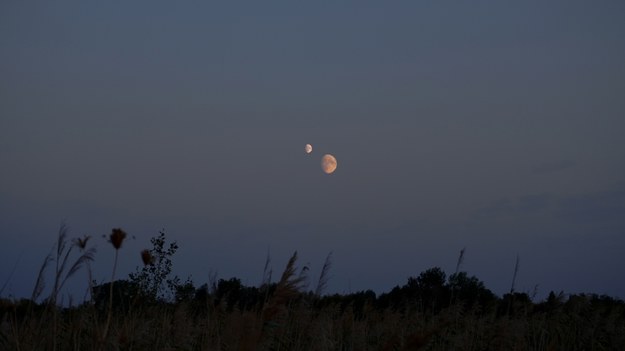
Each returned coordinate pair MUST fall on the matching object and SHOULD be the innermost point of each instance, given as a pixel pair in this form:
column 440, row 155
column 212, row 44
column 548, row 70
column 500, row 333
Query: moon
column 328, row 163
column 308, row 148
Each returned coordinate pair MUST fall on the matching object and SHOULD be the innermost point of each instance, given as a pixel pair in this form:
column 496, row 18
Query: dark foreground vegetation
column 151, row 310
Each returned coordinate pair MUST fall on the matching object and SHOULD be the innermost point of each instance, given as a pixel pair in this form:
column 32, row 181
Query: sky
column 495, row 126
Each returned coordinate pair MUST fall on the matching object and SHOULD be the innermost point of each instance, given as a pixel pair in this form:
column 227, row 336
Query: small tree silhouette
column 153, row 278
column 432, row 288
column 470, row 290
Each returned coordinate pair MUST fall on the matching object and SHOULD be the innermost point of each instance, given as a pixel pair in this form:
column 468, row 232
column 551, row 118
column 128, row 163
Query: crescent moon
column 328, row 163
column 308, row 148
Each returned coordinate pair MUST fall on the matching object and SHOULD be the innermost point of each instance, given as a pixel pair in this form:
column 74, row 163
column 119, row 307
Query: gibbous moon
column 328, row 163
column 308, row 148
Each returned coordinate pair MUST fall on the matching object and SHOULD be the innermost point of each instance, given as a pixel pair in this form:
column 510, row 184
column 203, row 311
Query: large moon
column 328, row 163
column 308, row 148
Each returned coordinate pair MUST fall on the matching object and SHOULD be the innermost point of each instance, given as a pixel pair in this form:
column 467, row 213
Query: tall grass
column 290, row 317
column 60, row 254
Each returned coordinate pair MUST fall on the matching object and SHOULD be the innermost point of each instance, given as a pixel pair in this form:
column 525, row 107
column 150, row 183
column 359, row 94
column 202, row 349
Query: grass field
column 430, row 312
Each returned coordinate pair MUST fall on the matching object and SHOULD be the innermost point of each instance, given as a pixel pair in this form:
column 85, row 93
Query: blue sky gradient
column 495, row 126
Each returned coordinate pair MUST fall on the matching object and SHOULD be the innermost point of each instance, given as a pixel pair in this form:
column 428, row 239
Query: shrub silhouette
column 125, row 294
column 470, row 290
column 233, row 294
column 154, row 278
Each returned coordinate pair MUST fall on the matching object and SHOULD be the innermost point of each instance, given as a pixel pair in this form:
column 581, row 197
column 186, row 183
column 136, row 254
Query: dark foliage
column 125, row 295
column 154, row 279
column 431, row 311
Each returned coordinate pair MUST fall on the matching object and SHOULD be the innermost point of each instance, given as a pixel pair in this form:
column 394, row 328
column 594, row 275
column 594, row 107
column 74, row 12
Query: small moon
column 308, row 148
column 328, row 163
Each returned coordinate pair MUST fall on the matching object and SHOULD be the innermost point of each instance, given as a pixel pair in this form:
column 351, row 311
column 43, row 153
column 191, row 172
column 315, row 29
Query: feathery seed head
column 147, row 257
column 82, row 243
column 117, row 237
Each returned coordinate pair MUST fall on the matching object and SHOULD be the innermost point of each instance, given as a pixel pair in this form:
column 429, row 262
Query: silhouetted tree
column 201, row 293
column 185, row 292
column 228, row 292
column 359, row 302
column 125, row 293
column 432, row 288
column 553, row 302
column 153, row 279
column 394, row 299
column 470, row 290
column 515, row 304
column 233, row 294
column 428, row 291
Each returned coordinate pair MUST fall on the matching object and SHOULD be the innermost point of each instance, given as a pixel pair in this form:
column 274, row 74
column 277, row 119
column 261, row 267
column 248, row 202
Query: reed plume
column 324, row 276
column 287, row 288
column 116, row 238
column 147, row 257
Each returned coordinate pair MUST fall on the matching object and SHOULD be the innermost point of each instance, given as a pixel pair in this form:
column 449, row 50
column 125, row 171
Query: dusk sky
column 494, row 126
